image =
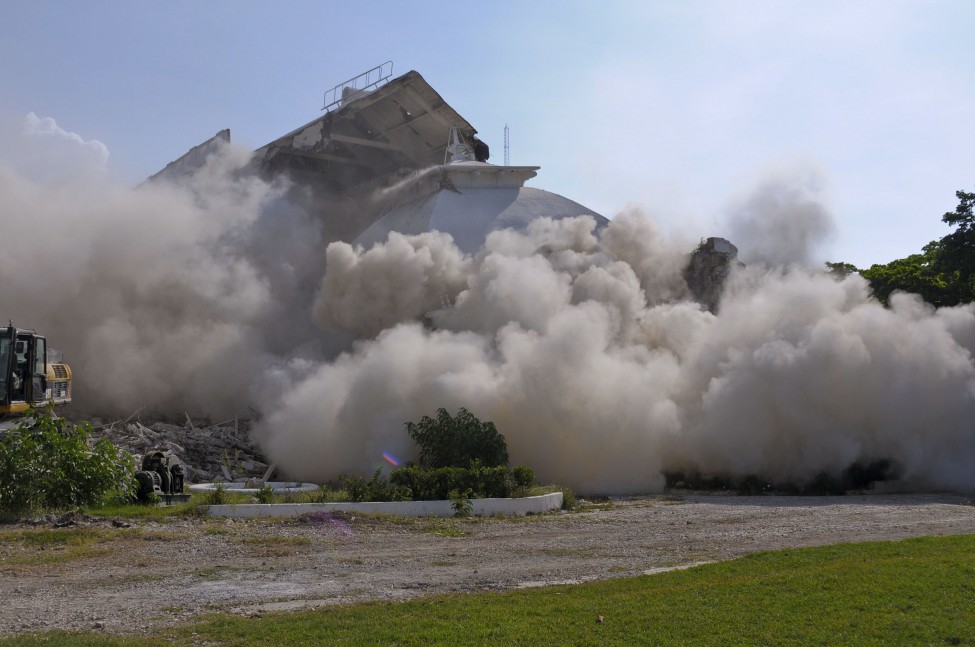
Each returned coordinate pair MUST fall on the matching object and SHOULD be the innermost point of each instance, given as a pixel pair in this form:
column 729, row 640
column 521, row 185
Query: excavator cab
column 28, row 377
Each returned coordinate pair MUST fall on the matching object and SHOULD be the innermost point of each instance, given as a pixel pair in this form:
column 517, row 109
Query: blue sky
column 679, row 108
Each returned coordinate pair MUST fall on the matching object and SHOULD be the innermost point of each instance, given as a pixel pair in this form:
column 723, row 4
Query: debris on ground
column 209, row 452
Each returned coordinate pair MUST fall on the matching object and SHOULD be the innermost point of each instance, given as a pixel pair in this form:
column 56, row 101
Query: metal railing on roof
column 357, row 86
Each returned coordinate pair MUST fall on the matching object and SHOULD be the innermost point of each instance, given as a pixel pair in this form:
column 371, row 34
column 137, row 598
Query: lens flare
column 391, row 459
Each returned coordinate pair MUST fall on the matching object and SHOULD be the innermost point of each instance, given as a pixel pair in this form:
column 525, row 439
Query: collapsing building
column 389, row 154
column 708, row 268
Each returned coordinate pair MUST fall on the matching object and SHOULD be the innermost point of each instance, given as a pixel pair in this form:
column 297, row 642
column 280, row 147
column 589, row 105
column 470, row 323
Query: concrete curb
column 480, row 508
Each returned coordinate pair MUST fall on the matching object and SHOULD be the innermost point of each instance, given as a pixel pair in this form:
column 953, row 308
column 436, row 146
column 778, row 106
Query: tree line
column 943, row 274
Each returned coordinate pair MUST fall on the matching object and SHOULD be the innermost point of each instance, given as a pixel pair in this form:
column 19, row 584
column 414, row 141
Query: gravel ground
column 153, row 574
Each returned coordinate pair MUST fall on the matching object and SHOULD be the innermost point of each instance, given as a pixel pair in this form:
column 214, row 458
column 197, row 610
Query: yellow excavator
column 31, row 374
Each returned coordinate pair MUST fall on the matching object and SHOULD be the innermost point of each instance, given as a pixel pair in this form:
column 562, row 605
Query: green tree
column 840, row 271
column 918, row 273
column 458, row 441
column 956, row 257
column 943, row 274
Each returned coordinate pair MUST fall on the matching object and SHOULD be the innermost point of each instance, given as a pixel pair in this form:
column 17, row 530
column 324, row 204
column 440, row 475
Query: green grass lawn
column 912, row 592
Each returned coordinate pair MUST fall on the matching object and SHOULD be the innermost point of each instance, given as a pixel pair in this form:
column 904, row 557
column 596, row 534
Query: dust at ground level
column 161, row 573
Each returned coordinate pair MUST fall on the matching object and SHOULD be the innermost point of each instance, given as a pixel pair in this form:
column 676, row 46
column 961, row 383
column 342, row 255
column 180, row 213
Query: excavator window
column 21, row 373
column 39, row 376
column 4, row 364
column 40, row 356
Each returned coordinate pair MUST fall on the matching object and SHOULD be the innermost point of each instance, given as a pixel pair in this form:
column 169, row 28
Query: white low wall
column 481, row 507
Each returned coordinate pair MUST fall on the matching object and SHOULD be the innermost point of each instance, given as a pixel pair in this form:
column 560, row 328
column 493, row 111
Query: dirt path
column 150, row 574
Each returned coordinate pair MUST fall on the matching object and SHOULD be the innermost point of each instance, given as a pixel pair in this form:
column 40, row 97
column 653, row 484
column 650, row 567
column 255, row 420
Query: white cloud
column 44, row 152
column 48, row 127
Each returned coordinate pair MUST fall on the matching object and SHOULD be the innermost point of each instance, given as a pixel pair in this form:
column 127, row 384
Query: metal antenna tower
column 507, row 147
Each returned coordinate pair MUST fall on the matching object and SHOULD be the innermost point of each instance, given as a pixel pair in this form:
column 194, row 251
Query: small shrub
column 355, row 486
column 265, row 494
column 569, row 500
column 217, row 496
column 461, row 502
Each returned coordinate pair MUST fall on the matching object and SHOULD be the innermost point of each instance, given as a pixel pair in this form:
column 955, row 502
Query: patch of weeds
column 444, row 528
column 293, row 497
column 327, row 493
column 34, row 547
column 159, row 535
column 597, row 503
column 44, row 539
column 139, row 511
column 265, row 494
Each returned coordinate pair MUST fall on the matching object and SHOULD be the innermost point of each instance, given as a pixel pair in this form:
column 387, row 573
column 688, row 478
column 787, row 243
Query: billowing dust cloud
column 580, row 344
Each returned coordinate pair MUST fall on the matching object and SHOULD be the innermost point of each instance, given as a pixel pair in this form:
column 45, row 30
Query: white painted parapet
column 480, row 507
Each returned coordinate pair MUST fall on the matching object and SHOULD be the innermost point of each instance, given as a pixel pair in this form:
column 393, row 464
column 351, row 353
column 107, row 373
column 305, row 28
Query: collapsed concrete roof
column 374, row 138
column 371, row 139
column 376, row 161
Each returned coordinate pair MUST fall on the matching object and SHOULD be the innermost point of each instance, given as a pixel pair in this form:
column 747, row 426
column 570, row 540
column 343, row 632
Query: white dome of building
column 470, row 214
column 469, row 200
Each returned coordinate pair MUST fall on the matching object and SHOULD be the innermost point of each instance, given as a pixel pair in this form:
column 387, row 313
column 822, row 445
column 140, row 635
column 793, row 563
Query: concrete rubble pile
column 219, row 452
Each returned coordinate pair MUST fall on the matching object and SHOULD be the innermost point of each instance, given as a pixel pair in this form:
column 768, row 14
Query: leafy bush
column 524, row 477
column 217, row 496
column 483, row 482
column 460, row 458
column 457, row 441
column 378, row 488
column 47, row 463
